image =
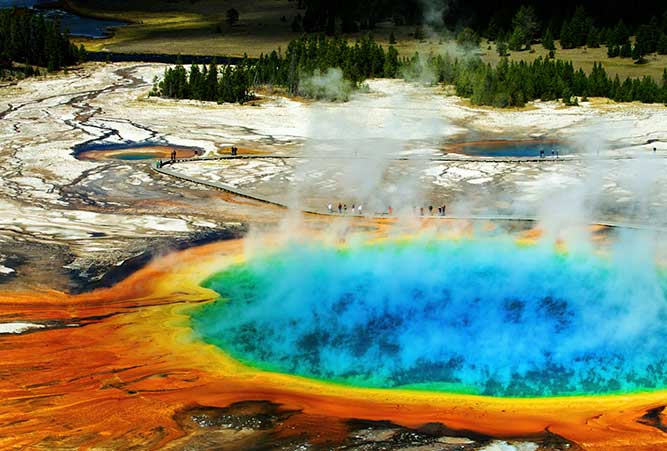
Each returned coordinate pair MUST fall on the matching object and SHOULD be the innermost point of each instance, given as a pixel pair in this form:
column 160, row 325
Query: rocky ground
column 75, row 219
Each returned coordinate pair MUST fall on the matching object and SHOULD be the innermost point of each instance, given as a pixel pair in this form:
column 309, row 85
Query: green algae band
column 477, row 316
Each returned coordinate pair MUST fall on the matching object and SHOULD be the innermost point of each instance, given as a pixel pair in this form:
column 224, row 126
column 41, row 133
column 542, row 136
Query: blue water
column 486, row 317
column 76, row 25
column 105, row 145
column 136, row 156
column 517, row 150
column 20, row 3
column 84, row 26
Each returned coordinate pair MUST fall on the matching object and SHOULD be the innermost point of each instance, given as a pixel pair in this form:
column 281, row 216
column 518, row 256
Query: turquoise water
column 135, row 156
column 517, row 150
column 485, row 317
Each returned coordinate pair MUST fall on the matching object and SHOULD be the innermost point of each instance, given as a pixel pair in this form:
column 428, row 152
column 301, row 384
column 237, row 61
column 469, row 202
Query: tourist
column 330, row 208
column 359, row 209
column 444, row 207
column 353, row 208
column 421, row 211
column 541, row 153
column 340, row 208
column 345, row 208
column 390, row 210
column 430, row 210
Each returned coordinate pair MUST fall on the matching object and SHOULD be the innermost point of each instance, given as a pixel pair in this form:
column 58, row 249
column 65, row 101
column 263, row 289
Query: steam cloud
column 483, row 316
column 330, row 85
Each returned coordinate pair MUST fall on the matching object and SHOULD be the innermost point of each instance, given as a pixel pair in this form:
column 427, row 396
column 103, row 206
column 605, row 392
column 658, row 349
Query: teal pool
column 474, row 316
column 515, row 149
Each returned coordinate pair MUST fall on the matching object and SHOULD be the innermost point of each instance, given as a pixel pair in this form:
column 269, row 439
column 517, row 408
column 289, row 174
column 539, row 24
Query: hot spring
column 511, row 148
column 481, row 316
column 137, row 151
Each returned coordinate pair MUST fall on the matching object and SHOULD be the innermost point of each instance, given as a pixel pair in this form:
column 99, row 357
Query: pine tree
column 29, row 38
column 525, row 27
column 493, row 30
column 501, row 46
column 211, row 90
column 82, row 53
column 194, row 82
column 548, row 40
column 468, row 39
column 593, row 39
column 391, row 63
column 580, row 25
column 621, row 34
column 566, row 37
column 626, row 50
column 516, row 40
column 232, row 16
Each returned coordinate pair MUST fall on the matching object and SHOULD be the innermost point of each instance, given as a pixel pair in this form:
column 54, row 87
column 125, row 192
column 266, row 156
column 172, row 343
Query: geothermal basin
column 133, row 151
column 487, row 316
column 511, row 148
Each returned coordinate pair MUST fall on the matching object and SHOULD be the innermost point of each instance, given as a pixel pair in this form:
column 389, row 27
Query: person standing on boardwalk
column 340, row 208
column 330, row 208
column 359, row 209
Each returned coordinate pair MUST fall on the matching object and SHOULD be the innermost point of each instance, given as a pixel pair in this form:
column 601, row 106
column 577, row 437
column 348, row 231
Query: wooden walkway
column 166, row 168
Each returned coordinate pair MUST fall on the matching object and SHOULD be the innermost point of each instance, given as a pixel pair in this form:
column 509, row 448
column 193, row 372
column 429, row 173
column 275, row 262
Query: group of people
column 172, row 159
column 554, row 153
column 441, row 210
column 342, row 208
column 358, row 210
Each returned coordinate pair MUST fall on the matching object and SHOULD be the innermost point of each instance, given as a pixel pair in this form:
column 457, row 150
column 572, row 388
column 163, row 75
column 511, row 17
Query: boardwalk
column 168, row 169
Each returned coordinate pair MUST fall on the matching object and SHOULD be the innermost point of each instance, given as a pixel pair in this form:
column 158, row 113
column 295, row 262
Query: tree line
column 304, row 58
column 579, row 30
column 582, row 30
column 335, row 16
column 359, row 61
column 508, row 84
column 30, row 39
column 511, row 84
column 209, row 83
